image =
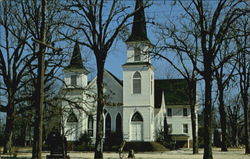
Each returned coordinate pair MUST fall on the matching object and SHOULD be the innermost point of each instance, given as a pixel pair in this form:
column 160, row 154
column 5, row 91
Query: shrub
column 84, row 143
column 166, row 140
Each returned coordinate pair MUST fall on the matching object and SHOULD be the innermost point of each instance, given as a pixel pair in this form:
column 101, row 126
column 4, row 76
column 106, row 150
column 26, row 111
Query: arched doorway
column 136, row 127
column 72, row 127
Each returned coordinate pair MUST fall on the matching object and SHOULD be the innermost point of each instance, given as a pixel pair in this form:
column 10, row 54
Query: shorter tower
column 76, row 80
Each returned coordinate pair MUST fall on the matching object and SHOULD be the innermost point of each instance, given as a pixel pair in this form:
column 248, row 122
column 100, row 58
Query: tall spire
column 139, row 31
column 76, row 59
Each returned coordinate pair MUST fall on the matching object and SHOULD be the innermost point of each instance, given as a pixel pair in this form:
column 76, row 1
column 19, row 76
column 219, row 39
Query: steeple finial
column 76, row 59
column 139, row 31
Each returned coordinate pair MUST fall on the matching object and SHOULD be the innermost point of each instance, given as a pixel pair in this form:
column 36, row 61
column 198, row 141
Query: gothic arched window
column 90, row 125
column 118, row 123
column 108, row 125
column 137, row 83
column 137, row 117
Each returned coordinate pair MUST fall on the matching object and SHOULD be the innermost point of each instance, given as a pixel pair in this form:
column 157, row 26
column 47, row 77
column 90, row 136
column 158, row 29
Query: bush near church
column 84, row 143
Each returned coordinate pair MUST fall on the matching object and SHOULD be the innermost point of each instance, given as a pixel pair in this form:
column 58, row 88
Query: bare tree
column 223, row 75
column 38, row 129
column 243, row 69
column 42, row 20
column 23, row 33
column 235, row 120
column 14, row 61
column 99, row 22
column 204, row 31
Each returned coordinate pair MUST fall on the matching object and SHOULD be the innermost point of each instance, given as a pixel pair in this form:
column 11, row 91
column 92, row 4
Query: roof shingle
column 76, row 61
column 175, row 92
column 139, row 32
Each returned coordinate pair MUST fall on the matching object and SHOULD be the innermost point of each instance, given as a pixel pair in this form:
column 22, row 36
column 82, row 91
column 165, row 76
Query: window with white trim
column 137, row 83
column 90, row 126
column 185, row 128
column 73, row 80
column 137, row 54
column 169, row 112
column 185, row 112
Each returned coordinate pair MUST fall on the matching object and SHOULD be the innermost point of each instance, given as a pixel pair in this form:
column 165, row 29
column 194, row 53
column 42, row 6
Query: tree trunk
column 24, row 133
column 246, row 123
column 192, row 98
column 223, row 120
column 100, row 105
column 8, row 133
column 194, row 130
column 38, row 128
column 208, row 113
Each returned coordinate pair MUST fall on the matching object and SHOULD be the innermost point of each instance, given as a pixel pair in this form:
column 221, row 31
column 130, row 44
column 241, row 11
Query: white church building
column 134, row 106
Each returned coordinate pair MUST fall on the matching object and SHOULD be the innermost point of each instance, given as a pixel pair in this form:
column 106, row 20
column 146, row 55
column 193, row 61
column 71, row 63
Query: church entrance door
column 136, row 131
column 136, row 127
column 71, row 131
column 71, row 127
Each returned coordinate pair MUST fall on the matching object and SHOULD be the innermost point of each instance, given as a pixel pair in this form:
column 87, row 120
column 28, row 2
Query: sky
column 159, row 11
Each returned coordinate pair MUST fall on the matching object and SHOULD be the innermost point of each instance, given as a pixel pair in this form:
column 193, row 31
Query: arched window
column 72, row 118
column 108, row 125
column 137, row 83
column 118, row 124
column 137, row 117
column 137, row 54
column 90, row 125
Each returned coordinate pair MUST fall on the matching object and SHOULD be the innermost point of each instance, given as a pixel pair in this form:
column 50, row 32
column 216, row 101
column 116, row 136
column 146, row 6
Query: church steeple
column 75, row 74
column 139, row 31
column 76, row 61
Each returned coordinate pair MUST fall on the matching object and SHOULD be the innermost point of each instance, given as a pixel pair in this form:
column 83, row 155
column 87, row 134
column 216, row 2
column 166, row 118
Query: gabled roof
column 139, row 31
column 119, row 81
column 175, row 92
column 112, row 75
column 76, row 61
